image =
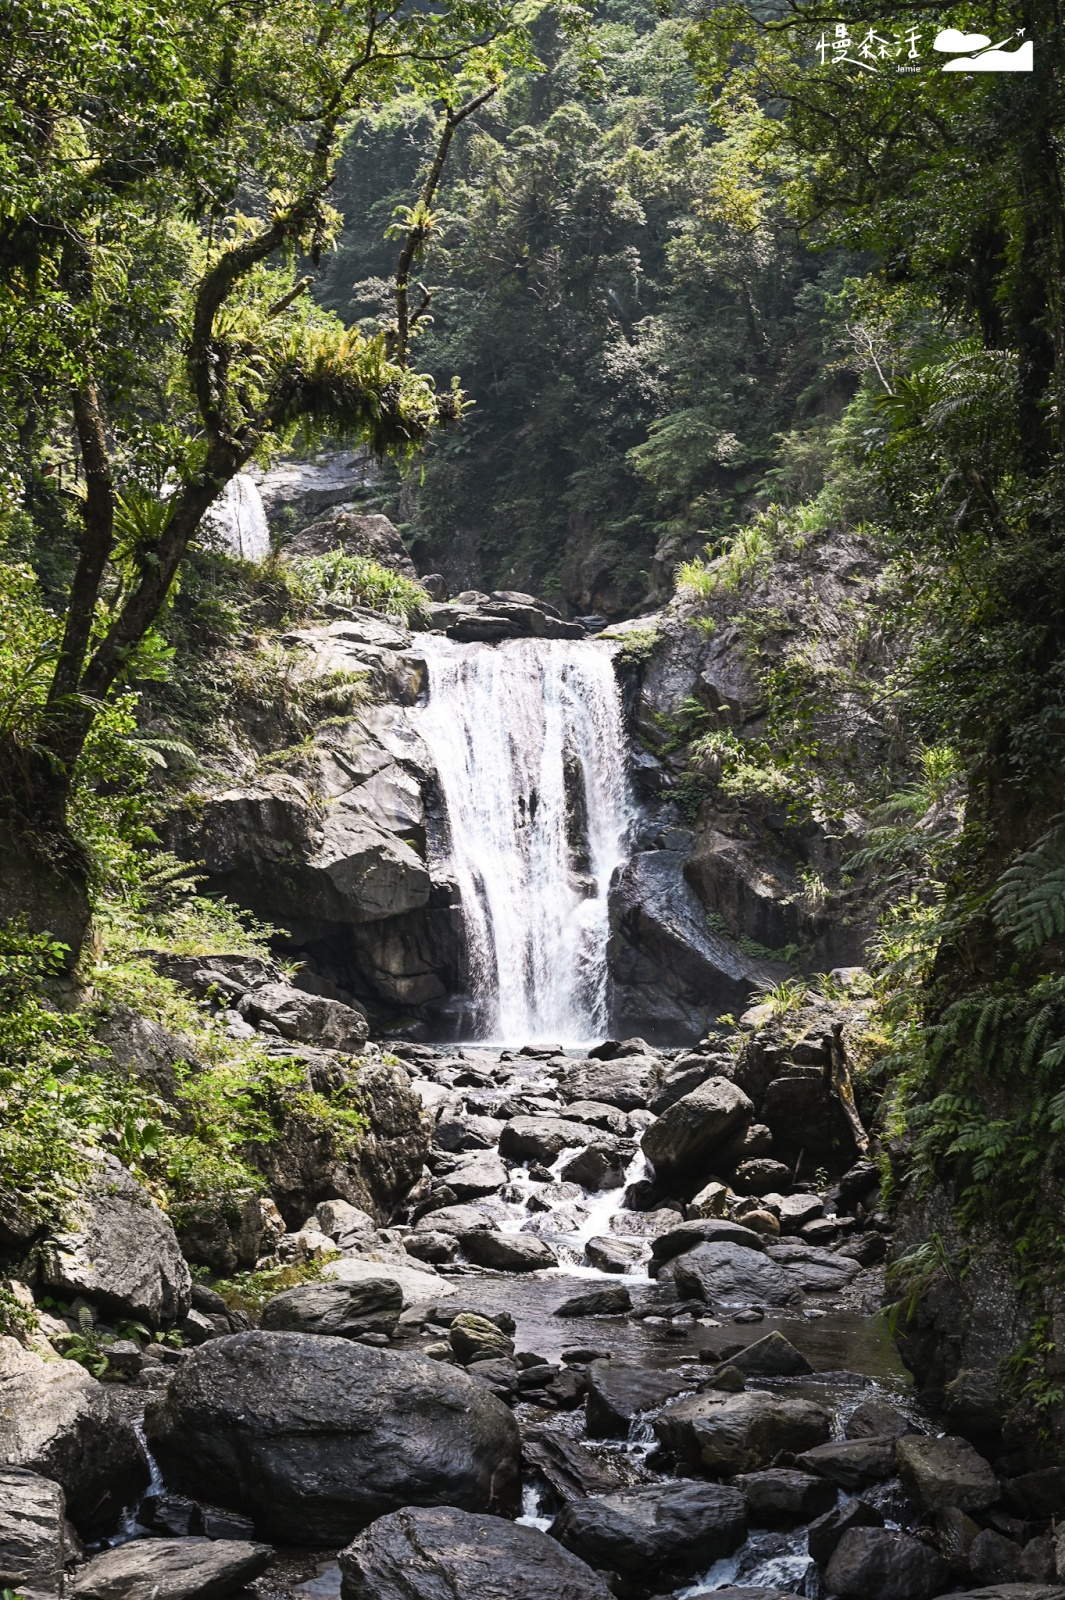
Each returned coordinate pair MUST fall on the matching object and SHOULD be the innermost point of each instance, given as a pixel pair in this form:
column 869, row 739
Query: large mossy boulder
column 314, row 1437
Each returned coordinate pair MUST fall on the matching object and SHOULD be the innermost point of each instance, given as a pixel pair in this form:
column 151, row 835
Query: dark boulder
column 618, row 1392
column 610, row 1302
column 315, row 1437
column 771, row 1357
column 852, row 1463
column 508, row 1252
column 447, row 1554
column 733, row 1275
column 344, row 1309
column 708, row 1230
column 781, row 1498
column 825, row 1533
column 660, row 1534
column 733, row 1433
column 945, row 1472
column 629, row 1084
column 878, row 1562
column 543, row 1138
column 684, row 1138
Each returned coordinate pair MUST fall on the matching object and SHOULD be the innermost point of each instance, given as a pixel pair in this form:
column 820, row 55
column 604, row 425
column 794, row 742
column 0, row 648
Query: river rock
column 613, row 1254
column 310, row 1018
column 852, row 1463
column 58, row 1421
column 937, row 1473
column 824, row 1535
column 460, row 1134
column 457, row 1220
column 33, row 1534
column 644, row 1224
column 343, row 1309
column 877, row 1419
column 315, row 1437
column 417, row 1282
column 618, row 1392
column 508, row 1252
column 116, row 1247
column 995, row 1559
column 795, row 1210
column 172, row 1569
column 543, row 1138
column 444, row 1554
column 597, row 1166
column 732, row 1433
column 771, row 1357
column 629, row 1084
column 660, row 1534
column 345, row 1224
column 881, row 1562
column 477, row 1175
column 609, row 1302
column 760, row 1176
column 686, row 1135
column 712, row 1230
column 709, row 1202
column 600, row 1115
column 816, row 1271
column 781, row 1498
column 474, row 1338
column 732, row 1275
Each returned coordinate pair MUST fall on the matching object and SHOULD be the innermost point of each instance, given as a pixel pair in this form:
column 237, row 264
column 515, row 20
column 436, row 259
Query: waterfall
column 529, row 743
column 239, row 521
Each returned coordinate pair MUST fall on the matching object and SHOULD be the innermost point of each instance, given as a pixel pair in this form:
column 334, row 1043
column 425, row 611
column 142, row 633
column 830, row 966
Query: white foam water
column 528, row 739
column 239, row 520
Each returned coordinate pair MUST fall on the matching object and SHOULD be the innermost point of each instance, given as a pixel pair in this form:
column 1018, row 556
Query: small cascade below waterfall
column 239, row 522
column 529, row 743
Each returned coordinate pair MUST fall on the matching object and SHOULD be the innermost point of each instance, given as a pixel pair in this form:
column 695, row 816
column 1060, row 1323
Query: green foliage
column 351, row 580
column 1029, row 902
column 637, row 647
column 250, row 1291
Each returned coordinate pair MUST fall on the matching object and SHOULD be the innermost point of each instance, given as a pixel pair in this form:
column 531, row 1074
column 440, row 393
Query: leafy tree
column 162, row 168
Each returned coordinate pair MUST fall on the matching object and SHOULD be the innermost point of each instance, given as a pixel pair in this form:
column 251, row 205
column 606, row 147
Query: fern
column 1029, row 902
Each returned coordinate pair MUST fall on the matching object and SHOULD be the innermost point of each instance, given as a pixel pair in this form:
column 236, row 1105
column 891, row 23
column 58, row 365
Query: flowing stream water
column 239, row 520
column 529, row 743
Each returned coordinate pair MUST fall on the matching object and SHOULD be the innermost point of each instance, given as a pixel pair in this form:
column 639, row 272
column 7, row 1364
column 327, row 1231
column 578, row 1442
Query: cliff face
column 759, row 742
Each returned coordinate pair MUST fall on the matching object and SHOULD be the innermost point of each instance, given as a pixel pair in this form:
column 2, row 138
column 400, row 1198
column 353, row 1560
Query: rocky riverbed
column 618, row 1337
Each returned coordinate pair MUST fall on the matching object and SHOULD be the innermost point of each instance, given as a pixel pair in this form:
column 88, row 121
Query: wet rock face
column 33, row 1534
column 315, row 1437
column 58, row 1422
column 425, row 1555
column 118, row 1248
column 660, row 1535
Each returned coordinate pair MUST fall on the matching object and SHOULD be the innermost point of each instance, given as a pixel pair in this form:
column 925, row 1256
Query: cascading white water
column 239, row 521
column 528, row 739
